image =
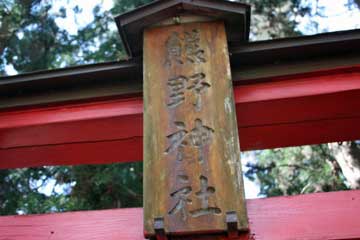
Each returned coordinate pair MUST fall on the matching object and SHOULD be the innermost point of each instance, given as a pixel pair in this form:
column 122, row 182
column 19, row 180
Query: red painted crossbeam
column 314, row 216
column 294, row 110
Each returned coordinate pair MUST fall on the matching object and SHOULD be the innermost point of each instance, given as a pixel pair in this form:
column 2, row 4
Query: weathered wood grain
column 312, row 217
column 192, row 168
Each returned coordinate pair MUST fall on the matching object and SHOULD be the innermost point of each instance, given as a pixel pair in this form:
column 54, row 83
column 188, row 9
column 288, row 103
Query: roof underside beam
column 250, row 63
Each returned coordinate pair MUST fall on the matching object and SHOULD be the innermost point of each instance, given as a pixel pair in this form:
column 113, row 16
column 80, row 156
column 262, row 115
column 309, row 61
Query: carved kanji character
column 194, row 54
column 177, row 141
column 181, row 196
column 173, row 49
column 177, row 87
column 200, row 136
column 204, row 194
column 198, row 85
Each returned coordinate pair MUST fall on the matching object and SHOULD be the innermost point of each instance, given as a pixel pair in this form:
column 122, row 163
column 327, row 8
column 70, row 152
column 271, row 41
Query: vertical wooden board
column 192, row 168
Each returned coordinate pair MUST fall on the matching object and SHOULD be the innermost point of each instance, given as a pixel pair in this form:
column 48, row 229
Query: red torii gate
column 311, row 108
column 295, row 89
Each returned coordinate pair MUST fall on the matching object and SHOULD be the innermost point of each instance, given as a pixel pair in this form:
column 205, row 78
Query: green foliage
column 121, row 6
column 84, row 187
column 107, row 186
column 31, row 40
column 276, row 18
column 19, row 191
column 296, row 170
column 29, row 36
column 27, row 25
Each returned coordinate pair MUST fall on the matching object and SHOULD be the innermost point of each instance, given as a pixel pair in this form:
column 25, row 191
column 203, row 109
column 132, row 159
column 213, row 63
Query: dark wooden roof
column 301, row 47
column 131, row 24
column 250, row 62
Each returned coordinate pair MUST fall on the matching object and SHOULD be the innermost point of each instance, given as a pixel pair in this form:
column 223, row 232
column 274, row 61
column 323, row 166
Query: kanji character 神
column 200, row 136
column 177, row 141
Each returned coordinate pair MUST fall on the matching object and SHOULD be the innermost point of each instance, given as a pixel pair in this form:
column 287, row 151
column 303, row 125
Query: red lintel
column 295, row 110
column 314, row 216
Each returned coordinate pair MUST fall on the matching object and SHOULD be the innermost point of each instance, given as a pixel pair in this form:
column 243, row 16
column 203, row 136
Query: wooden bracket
column 232, row 224
column 159, row 229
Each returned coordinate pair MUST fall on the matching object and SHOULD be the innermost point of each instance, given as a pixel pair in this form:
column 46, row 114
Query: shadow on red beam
column 99, row 152
column 298, row 111
column 314, row 216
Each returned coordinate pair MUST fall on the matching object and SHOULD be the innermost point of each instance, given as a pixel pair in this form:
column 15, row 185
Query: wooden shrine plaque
column 192, row 169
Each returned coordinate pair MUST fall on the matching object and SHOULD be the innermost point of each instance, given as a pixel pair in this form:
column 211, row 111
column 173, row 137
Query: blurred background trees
column 32, row 38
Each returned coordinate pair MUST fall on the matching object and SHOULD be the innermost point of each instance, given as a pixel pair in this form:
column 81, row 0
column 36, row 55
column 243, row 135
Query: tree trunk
column 348, row 157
